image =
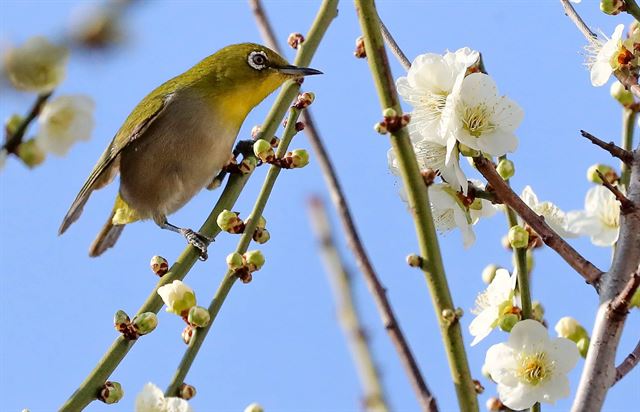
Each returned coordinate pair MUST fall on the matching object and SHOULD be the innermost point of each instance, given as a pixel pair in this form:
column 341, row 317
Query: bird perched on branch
column 179, row 137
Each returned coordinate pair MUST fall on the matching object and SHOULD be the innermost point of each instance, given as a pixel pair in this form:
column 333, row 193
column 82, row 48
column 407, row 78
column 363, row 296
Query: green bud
column 518, row 237
column 538, row 310
column 459, row 313
column 568, row 327
column 247, row 165
column 254, row 407
column 111, row 392
column 186, row 391
column 159, row 265
column 30, row 153
column 414, row 260
column 476, row 204
column 448, row 315
column 299, row 158
column 607, row 171
column 508, row 321
column 381, row 127
column 254, row 260
column 621, row 94
column 198, row 317
column 145, row 322
column 489, row 272
column 583, row 346
column 389, row 112
column 635, row 299
column 12, row 123
column 467, row 151
column 121, row 320
column 261, row 236
column 235, row 261
column 506, row 169
column 612, row 7
column 230, row 222
column 262, row 223
column 187, row 334
column 263, row 150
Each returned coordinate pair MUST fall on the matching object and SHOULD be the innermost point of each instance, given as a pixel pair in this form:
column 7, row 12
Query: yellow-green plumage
column 177, row 139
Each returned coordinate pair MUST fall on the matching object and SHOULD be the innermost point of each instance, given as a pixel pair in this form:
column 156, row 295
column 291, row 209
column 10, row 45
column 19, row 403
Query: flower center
column 534, row 368
column 477, row 120
column 433, row 104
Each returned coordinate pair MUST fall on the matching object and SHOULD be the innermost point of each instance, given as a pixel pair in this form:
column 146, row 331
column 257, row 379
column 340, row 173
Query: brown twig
column 627, row 364
column 387, row 315
column 13, row 140
column 620, row 305
column 395, row 48
column 615, row 150
column 626, row 205
column 586, row 269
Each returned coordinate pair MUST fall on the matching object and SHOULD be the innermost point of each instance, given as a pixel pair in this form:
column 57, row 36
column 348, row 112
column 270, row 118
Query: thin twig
column 629, row 116
column 13, row 140
column 395, row 48
column 353, row 238
column 613, row 149
column 626, row 205
column 586, row 269
column 627, row 364
column 348, row 315
column 620, row 305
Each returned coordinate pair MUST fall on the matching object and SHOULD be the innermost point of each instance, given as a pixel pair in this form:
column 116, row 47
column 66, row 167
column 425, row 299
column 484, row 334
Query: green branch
column 628, row 126
column 633, row 9
column 420, row 207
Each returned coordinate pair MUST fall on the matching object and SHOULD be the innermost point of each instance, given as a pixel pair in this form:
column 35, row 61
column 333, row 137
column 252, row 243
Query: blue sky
column 277, row 341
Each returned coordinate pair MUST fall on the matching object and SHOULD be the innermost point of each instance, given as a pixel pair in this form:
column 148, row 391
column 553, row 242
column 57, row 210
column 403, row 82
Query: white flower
column 254, row 407
column 576, row 1
column 64, row 121
column 530, row 367
column 553, row 215
column 495, row 301
column 178, row 297
column 429, row 81
column 603, row 59
column 3, row 158
column 36, row 66
column 477, row 117
column 151, row 399
column 450, row 211
column 600, row 219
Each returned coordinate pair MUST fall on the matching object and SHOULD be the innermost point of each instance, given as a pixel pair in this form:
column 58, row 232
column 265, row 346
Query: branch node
column 613, row 149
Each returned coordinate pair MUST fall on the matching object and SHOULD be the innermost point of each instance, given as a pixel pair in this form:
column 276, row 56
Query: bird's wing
column 149, row 109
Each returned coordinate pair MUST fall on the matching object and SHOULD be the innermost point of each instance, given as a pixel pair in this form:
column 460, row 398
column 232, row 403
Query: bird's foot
column 197, row 240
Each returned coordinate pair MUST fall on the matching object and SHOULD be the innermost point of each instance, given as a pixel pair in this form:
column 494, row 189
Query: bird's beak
column 297, row 71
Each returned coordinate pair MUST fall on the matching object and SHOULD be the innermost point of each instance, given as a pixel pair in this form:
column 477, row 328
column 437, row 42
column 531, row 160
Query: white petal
column 583, row 223
column 556, row 388
column 517, row 397
column 501, row 361
column 150, row 399
column 527, row 334
column 507, row 114
column 177, row 405
column 600, row 72
column 482, row 325
column 564, row 353
column 479, row 88
column 498, row 143
column 529, row 196
column 605, row 237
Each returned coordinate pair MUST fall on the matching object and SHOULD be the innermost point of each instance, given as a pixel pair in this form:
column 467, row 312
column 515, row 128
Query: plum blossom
column 152, row 399
column 64, row 121
column 178, row 297
column 600, row 218
column 603, row 56
column 553, row 215
column 491, row 304
column 37, row 65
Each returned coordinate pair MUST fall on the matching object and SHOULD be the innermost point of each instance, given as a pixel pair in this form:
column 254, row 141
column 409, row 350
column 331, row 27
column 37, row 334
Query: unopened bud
column 381, row 127
column 295, row 39
column 187, row 334
column 612, row 7
column 30, row 153
column 263, row 150
column 12, row 123
column 254, row 407
column 635, row 299
column 459, row 313
column 508, row 321
column 489, row 272
column 262, row 223
column 360, row 51
column 568, row 327
column 145, row 323
column 254, row 259
column 111, row 392
column 198, row 317
column 494, row 405
column 405, row 119
column 518, row 237
column 467, row 151
column 583, row 346
column 607, row 171
column 121, row 321
column 621, row 94
column 235, row 261
column 477, row 386
column 300, row 126
column 299, row 158
column 247, row 165
column 506, row 169
column 186, row 391
column 538, row 310
column 159, row 265
column 389, row 113
column 261, row 236
column 230, row 222
column 414, row 260
column 304, row 100
column 448, row 315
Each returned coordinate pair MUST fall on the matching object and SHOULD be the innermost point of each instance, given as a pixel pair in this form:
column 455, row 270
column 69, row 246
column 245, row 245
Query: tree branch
column 395, row 48
column 13, row 140
column 626, row 205
column 620, row 305
column 627, row 364
column 614, row 150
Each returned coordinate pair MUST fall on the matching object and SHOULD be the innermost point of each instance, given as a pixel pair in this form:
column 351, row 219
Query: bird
column 178, row 139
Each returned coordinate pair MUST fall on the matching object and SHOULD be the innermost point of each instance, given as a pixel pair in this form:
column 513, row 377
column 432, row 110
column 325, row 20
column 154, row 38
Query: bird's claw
column 199, row 241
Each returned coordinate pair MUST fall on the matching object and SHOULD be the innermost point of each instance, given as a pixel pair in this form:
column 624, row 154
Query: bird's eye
column 257, row 60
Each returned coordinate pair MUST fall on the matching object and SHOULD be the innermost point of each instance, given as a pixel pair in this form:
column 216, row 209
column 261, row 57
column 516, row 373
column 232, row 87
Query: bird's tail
column 106, row 238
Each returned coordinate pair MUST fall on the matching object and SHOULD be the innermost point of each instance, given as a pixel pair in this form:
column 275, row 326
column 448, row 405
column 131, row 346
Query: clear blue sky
column 277, row 341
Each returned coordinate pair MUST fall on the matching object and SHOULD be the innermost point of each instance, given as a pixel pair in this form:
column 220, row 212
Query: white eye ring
column 257, row 60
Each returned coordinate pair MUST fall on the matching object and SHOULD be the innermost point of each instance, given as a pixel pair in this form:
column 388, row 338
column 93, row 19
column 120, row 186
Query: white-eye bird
column 179, row 137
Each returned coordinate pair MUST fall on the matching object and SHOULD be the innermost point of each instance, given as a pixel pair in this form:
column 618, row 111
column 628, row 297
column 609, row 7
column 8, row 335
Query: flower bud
column 30, row 153
column 230, row 222
column 518, row 237
column 261, row 236
column 360, row 51
column 12, row 123
column 299, row 158
column 121, row 321
column 178, row 297
column 621, row 94
column 254, row 260
column 111, row 392
column 494, row 405
column 508, row 321
column 506, row 169
column 145, row 323
column 583, row 346
column 538, row 310
column 235, row 261
column 612, row 7
column 477, row 386
column 300, row 126
column 304, row 100
column 459, row 313
column 37, row 66
column 635, row 299
column 295, row 39
column 489, row 272
column 159, row 265
column 254, row 407
column 262, row 223
column 389, row 113
column 448, row 315
column 198, row 317
column 607, row 171
column 568, row 327
column 381, row 127
column 467, row 151
column 414, row 260
column 247, row 165
column 187, row 334
column 263, row 150
column 186, row 391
